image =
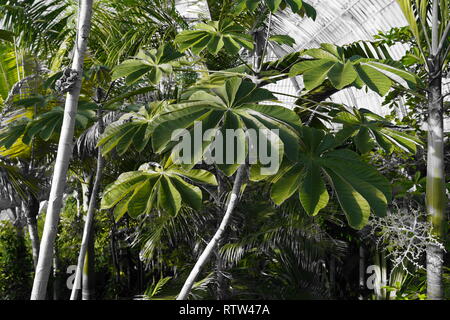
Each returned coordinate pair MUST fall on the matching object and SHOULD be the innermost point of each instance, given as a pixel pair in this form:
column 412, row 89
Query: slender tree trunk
column 113, row 247
column 63, row 157
column 377, row 283
column 435, row 193
column 56, row 275
column 221, row 280
column 31, row 210
column 217, row 236
column 88, row 285
column 383, row 275
column 362, row 271
column 88, row 230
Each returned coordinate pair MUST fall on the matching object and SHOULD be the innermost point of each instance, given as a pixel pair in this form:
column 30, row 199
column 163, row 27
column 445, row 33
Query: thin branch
column 269, row 25
column 435, row 28
column 443, row 39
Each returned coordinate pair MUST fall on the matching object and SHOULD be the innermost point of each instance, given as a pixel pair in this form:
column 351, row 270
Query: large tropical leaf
column 45, row 125
column 359, row 188
column 138, row 192
column 367, row 128
column 133, row 128
column 297, row 6
column 330, row 62
column 153, row 63
column 213, row 36
column 233, row 107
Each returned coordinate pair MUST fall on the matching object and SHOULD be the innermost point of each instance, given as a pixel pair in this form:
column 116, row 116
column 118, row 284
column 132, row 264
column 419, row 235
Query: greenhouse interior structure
column 224, row 149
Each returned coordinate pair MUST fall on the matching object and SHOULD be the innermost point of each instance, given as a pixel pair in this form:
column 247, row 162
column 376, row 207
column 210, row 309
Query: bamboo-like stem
column 89, row 216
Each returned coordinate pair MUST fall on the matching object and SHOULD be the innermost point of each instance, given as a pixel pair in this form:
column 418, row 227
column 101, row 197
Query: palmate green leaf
column 342, row 75
column 49, row 123
column 190, row 194
column 137, row 203
column 363, row 140
column 359, row 187
column 316, row 76
column 213, row 36
column 312, row 191
column 355, row 207
column 364, row 179
column 168, row 196
column 121, row 188
column 153, row 63
column 358, row 168
column 297, row 6
column 196, row 176
column 230, row 106
column 403, row 141
column 132, row 68
column 367, row 129
column 132, row 129
column 330, row 63
column 138, row 192
column 287, row 185
column 373, row 79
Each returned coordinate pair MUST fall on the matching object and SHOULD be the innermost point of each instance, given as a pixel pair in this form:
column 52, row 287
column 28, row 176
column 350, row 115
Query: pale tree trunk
column 240, row 174
column 383, row 275
column 435, row 193
column 65, row 146
column 88, row 279
column 88, row 236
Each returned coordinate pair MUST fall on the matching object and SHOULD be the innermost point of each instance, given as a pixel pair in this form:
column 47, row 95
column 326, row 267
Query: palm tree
column 429, row 22
column 63, row 156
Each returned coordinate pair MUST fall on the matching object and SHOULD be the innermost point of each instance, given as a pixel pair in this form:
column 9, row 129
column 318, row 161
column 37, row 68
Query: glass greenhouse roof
column 339, row 22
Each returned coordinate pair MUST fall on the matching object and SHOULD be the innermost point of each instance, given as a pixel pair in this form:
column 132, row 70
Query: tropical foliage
column 148, row 173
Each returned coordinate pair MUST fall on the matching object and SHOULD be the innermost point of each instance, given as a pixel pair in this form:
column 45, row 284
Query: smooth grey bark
column 435, row 192
column 65, row 146
column 234, row 197
column 383, row 275
column 88, row 279
column 435, row 198
column 88, row 236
